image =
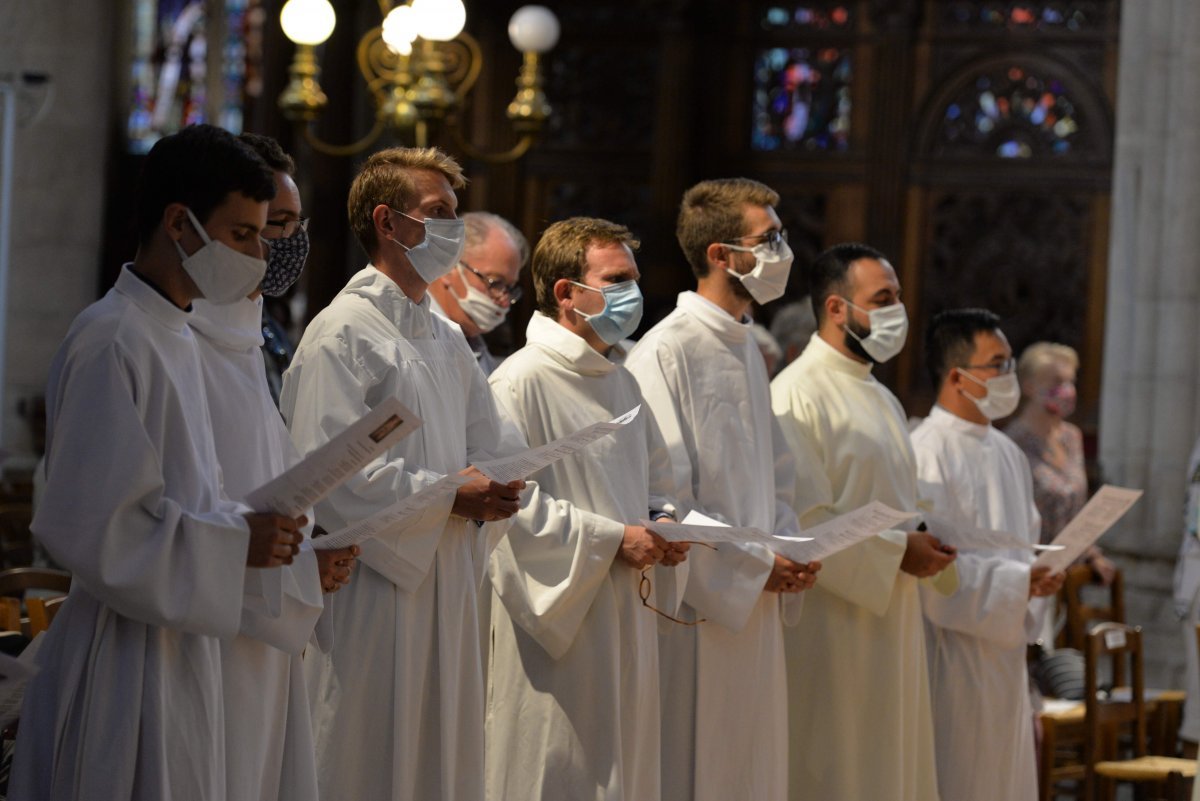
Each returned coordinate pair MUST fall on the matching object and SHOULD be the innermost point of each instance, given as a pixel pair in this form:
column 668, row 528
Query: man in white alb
column 398, row 703
column 974, row 475
column 573, row 681
column 128, row 702
column 479, row 292
column 857, row 680
column 723, row 682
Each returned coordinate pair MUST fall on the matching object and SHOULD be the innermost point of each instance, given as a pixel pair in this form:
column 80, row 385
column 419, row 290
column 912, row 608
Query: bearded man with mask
column 857, row 669
column 479, row 292
column 398, row 703
column 723, row 681
column 974, row 475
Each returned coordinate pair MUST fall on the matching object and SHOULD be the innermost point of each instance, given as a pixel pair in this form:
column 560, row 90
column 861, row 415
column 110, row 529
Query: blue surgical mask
column 621, row 314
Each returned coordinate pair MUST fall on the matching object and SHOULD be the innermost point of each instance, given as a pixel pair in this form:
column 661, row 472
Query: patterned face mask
column 285, row 263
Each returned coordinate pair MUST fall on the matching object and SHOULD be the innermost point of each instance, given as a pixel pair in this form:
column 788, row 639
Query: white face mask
column 223, row 275
column 441, row 249
column 889, row 330
column 479, row 306
column 1003, row 395
column 768, row 280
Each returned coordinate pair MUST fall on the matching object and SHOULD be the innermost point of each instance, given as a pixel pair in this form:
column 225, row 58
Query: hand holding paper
column 963, row 535
column 481, row 498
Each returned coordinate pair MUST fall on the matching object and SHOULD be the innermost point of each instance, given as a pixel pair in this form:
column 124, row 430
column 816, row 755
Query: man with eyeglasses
column 573, row 684
column 974, row 475
column 479, row 292
column 857, row 674
column 723, row 683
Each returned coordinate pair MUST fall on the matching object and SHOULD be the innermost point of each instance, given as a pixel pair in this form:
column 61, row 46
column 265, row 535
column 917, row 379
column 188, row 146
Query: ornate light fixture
column 419, row 65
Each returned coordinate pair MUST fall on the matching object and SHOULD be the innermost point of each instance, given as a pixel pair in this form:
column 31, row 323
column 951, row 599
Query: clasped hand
column 486, row 500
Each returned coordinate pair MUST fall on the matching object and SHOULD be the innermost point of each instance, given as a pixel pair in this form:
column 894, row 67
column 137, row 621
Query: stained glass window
column 1014, row 114
column 1065, row 16
column 802, row 99
column 808, row 16
column 171, row 87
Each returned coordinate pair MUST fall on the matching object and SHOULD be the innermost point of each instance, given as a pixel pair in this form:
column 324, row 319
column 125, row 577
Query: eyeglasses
column 289, row 228
column 495, row 287
column 1002, row 368
column 772, row 239
column 644, row 592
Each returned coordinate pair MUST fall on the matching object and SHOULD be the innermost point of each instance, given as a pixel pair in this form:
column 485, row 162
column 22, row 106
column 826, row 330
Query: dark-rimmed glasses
column 495, row 287
column 289, row 228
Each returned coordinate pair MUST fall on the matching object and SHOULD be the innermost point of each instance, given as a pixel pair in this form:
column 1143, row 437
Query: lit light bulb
column 307, row 22
column 533, row 29
column 399, row 30
column 439, row 20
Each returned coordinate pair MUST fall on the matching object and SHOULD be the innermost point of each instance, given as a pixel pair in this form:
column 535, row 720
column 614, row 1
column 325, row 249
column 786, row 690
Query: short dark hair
column 270, row 151
column 827, row 276
column 198, row 167
column 950, row 340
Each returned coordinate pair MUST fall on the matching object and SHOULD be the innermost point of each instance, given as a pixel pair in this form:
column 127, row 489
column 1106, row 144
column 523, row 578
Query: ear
column 562, row 295
column 718, row 256
column 836, row 310
column 175, row 221
column 383, row 221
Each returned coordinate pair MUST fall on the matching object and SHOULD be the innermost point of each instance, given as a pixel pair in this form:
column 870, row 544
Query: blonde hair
column 1040, row 355
column 714, row 211
column 562, row 253
column 386, row 179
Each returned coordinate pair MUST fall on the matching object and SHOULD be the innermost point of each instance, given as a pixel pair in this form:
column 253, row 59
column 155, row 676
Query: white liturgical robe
column 398, row 703
column 857, row 681
column 974, row 475
column 268, row 739
column 128, row 701
column 573, row 681
column 723, row 682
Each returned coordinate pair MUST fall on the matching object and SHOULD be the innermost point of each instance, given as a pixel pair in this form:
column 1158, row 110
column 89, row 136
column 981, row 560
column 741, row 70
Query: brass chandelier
column 419, row 66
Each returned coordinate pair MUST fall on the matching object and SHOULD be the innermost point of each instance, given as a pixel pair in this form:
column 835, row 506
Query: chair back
column 1104, row 717
column 1081, row 616
column 42, row 612
column 16, row 581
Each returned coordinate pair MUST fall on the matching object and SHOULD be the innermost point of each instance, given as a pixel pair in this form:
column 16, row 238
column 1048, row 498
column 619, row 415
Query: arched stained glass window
column 1012, row 113
column 170, row 82
column 802, row 99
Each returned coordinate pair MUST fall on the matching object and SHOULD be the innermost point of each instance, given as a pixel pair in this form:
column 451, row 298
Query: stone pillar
column 1150, row 394
column 58, row 197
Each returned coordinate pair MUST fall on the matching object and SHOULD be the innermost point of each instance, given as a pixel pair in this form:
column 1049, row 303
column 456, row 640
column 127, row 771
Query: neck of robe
column 151, row 300
column 566, row 347
column 715, row 318
column 237, row 326
column 944, row 417
column 391, row 301
column 824, row 353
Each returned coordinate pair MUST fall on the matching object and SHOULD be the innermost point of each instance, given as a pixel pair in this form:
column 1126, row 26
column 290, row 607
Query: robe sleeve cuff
column 724, row 586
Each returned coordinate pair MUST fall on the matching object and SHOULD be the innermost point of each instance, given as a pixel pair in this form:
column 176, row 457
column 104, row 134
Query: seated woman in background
column 1053, row 446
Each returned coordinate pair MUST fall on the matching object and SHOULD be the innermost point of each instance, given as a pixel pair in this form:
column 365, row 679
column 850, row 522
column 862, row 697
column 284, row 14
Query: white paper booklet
column 395, row 516
column 1105, row 508
column 526, row 463
column 818, row 542
column 335, row 462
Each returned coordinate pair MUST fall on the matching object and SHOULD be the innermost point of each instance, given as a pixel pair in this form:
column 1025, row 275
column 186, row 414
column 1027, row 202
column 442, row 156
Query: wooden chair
column 38, row 611
column 1081, row 616
column 1104, row 719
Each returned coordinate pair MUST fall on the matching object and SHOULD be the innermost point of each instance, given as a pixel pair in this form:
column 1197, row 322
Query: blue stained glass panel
column 802, row 99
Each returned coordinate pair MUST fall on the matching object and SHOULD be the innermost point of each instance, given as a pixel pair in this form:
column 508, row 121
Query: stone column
column 1150, row 394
